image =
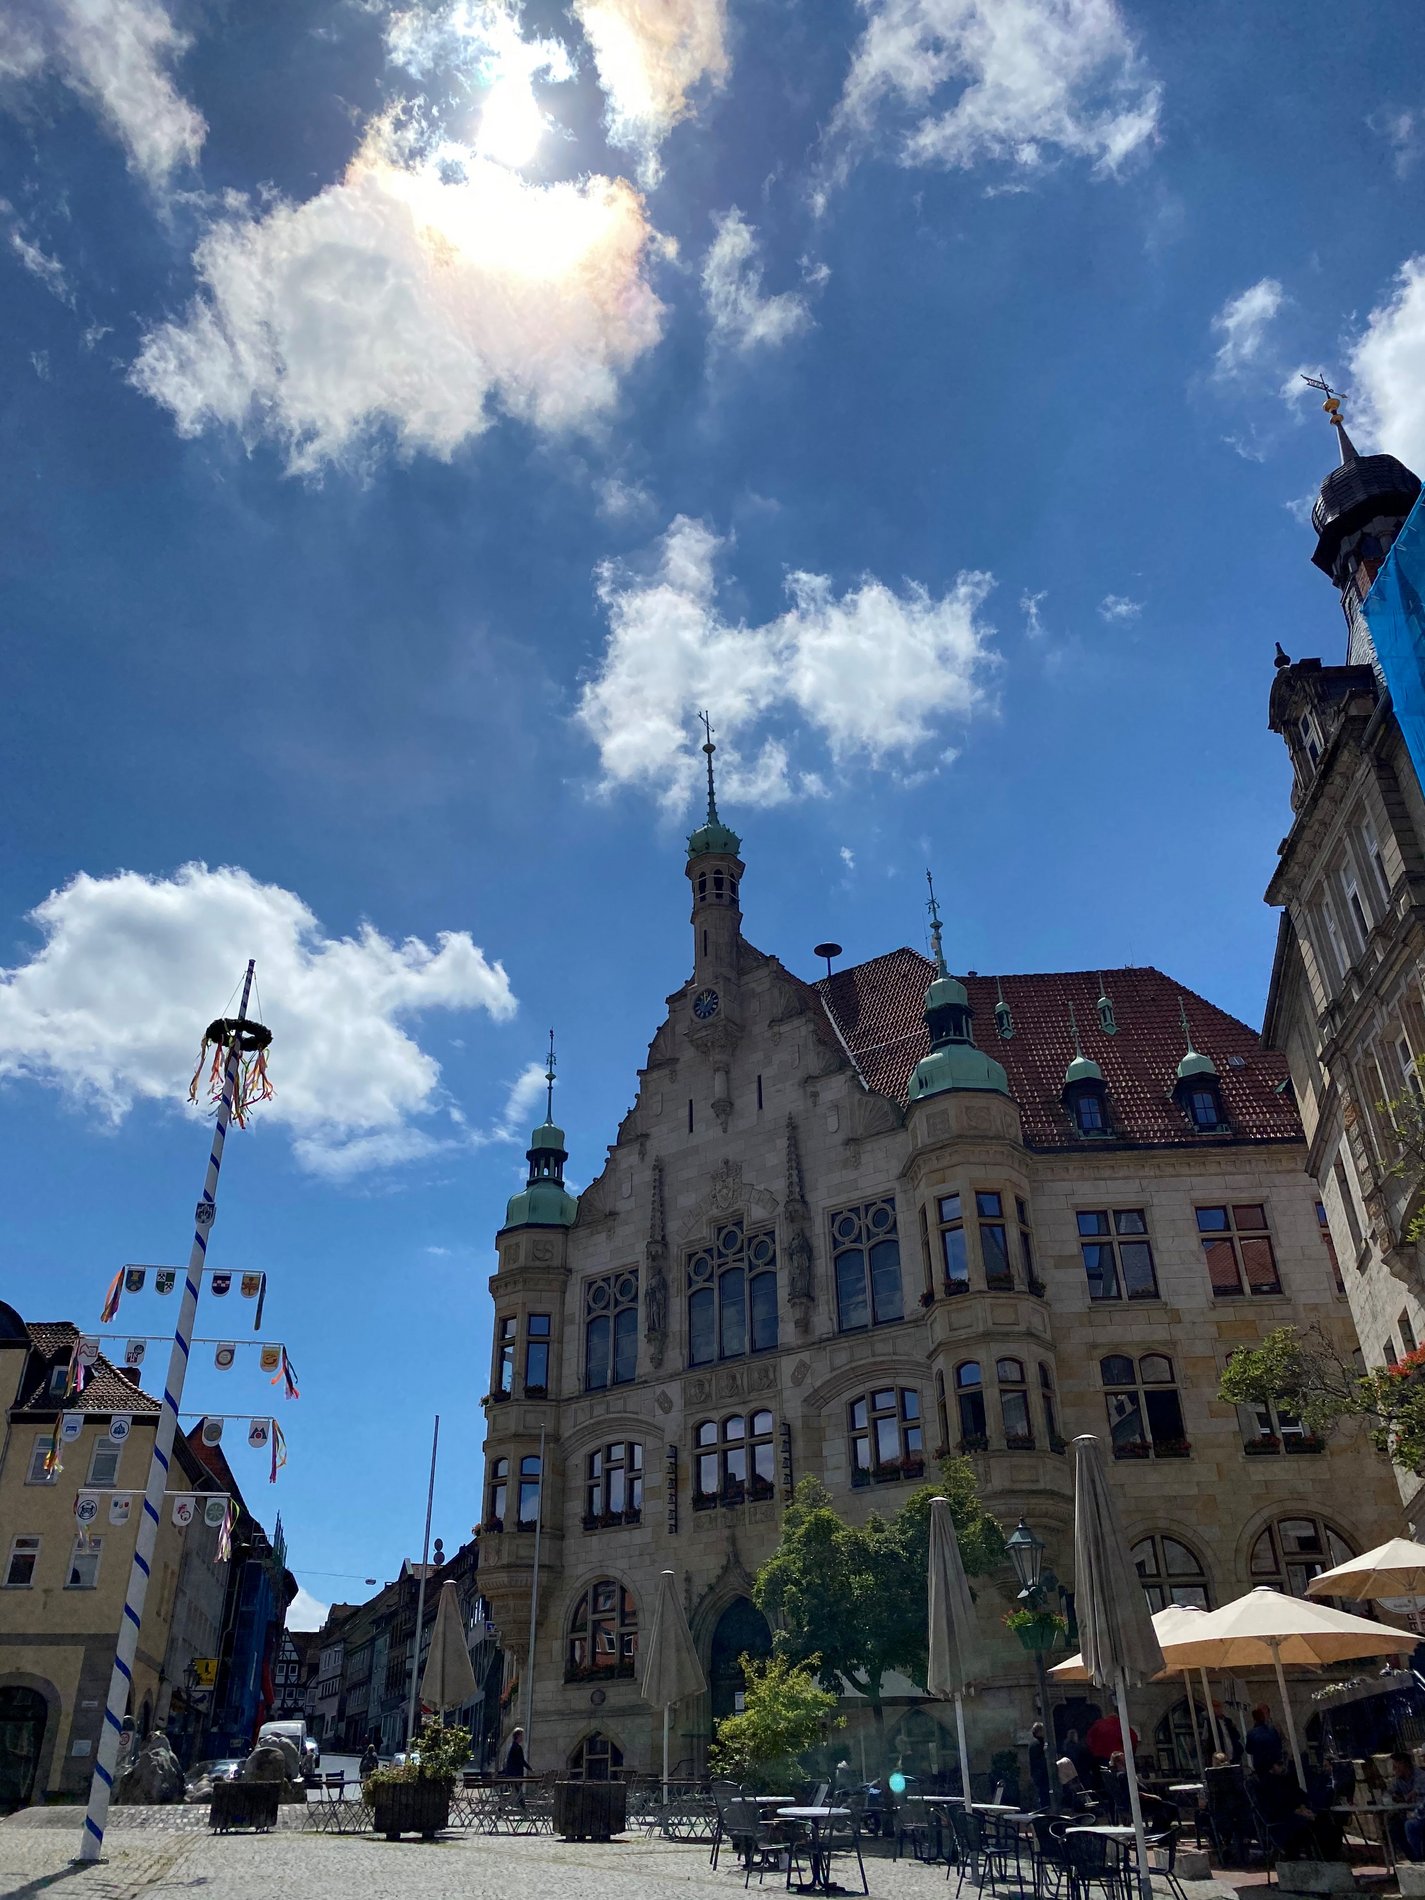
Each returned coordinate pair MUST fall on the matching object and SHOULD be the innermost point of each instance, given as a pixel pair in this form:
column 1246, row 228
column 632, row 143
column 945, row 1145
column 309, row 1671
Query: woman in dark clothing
column 516, row 1762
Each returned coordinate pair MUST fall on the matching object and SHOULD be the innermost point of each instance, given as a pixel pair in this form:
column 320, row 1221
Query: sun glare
column 511, row 124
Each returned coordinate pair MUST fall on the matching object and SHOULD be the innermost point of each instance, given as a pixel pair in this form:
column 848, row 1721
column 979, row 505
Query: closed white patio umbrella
column 449, row 1680
column 1265, row 1629
column 956, row 1653
column 671, row 1669
column 1120, row 1645
column 1393, row 1569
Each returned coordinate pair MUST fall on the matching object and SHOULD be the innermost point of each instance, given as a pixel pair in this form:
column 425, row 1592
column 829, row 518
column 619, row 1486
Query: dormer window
column 1204, row 1105
column 1107, row 1021
column 1091, row 1112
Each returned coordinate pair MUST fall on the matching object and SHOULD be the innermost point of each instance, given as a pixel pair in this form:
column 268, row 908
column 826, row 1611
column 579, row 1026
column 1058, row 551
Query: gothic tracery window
column 611, row 1329
column 866, row 1261
column 732, row 1295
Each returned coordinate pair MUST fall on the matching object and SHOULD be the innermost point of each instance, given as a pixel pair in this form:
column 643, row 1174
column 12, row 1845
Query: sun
column 511, row 123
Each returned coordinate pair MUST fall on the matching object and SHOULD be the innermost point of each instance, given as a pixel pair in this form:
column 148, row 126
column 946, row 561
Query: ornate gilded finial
column 935, row 934
column 709, row 748
column 549, row 1082
column 1332, row 406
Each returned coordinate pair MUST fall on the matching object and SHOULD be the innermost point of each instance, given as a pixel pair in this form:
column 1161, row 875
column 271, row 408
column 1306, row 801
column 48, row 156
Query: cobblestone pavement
column 35, row 1864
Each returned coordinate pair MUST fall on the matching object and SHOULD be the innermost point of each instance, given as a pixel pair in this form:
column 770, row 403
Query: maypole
column 243, row 1038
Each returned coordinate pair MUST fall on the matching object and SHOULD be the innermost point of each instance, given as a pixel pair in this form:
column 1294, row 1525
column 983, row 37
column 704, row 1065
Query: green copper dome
column 542, row 1204
column 714, row 836
column 1082, row 1069
column 946, row 992
column 1195, row 1063
column 956, row 1065
column 548, row 1136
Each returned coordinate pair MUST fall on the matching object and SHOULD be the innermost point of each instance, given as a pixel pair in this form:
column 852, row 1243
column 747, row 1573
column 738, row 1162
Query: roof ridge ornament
column 1004, row 1022
column 709, row 748
column 1107, row 1020
column 1332, row 406
column 936, row 934
column 549, row 1082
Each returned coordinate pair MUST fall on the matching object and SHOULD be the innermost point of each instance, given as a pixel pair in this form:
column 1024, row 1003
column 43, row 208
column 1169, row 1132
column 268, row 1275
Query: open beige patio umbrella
column 1120, row 1645
column 1393, row 1569
column 449, row 1680
column 1174, row 1623
column 671, row 1669
column 956, row 1654
column 1266, row 1628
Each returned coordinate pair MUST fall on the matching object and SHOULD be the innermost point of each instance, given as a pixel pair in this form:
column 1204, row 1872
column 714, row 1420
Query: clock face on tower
column 706, row 1005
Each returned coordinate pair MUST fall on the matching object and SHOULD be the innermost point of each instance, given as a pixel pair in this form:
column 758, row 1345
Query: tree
column 1307, row 1375
column 784, row 1713
column 850, row 1599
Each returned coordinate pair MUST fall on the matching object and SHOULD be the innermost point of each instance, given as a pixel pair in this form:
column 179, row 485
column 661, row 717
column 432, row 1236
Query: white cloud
column 1016, row 82
column 1119, row 607
column 650, row 56
column 848, row 857
column 1029, row 605
column 111, row 1007
column 423, row 291
column 118, row 56
column 1242, row 324
column 517, row 1117
column 871, row 671
column 482, row 42
column 732, row 289
column 1401, row 132
column 40, row 264
column 306, row 1612
column 1388, row 370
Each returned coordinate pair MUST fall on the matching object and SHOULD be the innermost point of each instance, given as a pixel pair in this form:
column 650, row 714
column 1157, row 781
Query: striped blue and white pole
column 121, row 1680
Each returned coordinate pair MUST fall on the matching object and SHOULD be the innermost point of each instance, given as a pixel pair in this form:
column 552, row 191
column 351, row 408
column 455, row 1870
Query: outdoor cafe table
column 816, row 1819
column 1387, row 1811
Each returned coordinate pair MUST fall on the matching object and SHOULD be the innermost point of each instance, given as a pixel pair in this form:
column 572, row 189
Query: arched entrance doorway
column 741, row 1630
column 22, row 1731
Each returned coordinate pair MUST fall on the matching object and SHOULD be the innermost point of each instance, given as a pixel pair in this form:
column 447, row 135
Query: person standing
column 1264, row 1743
column 516, row 1761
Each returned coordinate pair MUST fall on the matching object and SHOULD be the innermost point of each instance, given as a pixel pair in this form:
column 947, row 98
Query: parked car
column 309, row 1757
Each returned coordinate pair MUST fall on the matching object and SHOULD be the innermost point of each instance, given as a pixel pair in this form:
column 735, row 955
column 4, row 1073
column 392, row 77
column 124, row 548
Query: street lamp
column 1026, row 1553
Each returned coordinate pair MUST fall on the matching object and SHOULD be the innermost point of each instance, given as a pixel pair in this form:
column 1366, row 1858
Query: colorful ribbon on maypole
column 112, row 1298
column 239, row 1039
column 279, row 1452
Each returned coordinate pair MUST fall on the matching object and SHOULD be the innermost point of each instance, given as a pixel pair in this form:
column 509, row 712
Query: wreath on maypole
column 253, row 1084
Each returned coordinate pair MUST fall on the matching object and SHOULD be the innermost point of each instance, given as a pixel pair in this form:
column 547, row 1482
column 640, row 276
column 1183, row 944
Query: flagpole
column 421, row 1593
column 121, row 1678
column 533, row 1603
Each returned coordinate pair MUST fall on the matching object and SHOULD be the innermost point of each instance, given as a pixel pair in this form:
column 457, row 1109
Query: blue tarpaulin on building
column 1395, row 614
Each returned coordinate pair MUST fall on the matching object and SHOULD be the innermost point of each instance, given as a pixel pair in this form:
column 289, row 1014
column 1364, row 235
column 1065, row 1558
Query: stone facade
column 766, row 1112
column 1347, row 1000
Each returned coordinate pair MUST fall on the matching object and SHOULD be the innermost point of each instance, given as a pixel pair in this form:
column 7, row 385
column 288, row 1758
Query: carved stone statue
column 801, row 1269
column 655, row 1304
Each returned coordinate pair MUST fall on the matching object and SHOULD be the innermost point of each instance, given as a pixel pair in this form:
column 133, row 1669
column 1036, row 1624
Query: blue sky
column 414, row 415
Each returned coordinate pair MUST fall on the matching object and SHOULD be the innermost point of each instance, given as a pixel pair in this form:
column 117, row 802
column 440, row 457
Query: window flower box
column 976, row 1441
column 952, row 1287
column 1000, row 1282
column 526, row 1524
column 609, row 1520
column 860, row 1477
column 1019, row 1441
column 897, row 1470
column 1037, row 1287
column 492, row 1527
column 1132, row 1448
column 536, row 1391
column 634, row 1514
column 1303, row 1442
column 733, row 1495
column 705, row 1500
column 620, row 1671
column 1265, row 1446
column 499, row 1398
column 1172, row 1448
column 762, row 1490
column 927, row 1298
column 1058, row 1444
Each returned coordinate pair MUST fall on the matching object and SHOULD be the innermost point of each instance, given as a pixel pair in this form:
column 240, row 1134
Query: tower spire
column 549, row 1082
column 1074, row 1032
column 709, row 748
column 936, row 941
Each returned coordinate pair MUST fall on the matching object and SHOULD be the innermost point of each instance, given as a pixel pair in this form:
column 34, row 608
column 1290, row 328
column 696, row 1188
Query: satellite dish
column 827, row 950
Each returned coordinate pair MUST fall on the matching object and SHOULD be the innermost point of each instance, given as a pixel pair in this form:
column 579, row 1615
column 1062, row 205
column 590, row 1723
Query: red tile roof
column 106, row 1387
column 878, row 1007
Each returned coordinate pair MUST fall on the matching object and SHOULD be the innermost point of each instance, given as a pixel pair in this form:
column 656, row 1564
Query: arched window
column 613, row 1486
column 610, row 1330
column 1171, row 1573
column 970, row 1400
column 702, row 887
column 866, row 1261
column 1014, row 1405
column 732, row 1460
column 1293, row 1550
column 596, row 1759
column 886, row 1440
column 1145, row 1414
column 529, row 1494
column 732, row 1295
column 603, row 1632
column 497, row 1494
